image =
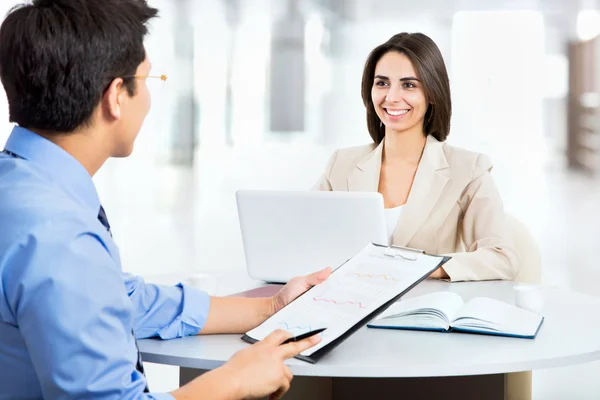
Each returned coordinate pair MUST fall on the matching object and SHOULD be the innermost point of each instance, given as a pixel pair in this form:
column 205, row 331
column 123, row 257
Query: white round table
column 569, row 335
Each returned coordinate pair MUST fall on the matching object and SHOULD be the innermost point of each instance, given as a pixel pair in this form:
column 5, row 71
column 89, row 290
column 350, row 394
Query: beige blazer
column 453, row 208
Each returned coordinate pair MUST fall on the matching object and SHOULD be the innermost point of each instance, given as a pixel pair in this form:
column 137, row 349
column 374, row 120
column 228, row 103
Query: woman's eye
column 409, row 85
column 380, row 83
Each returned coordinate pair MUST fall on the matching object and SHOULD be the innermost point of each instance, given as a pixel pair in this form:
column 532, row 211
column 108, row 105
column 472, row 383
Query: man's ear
column 113, row 98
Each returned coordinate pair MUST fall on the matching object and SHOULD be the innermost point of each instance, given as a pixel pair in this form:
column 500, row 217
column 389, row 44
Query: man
column 75, row 75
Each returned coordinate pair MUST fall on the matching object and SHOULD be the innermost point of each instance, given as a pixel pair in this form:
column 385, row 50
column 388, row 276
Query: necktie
column 104, row 220
column 139, row 366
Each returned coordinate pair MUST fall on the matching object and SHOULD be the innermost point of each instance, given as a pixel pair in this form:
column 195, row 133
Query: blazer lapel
column 365, row 175
column 430, row 180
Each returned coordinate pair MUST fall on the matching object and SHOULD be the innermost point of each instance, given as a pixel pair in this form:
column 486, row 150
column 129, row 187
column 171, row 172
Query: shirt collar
column 62, row 168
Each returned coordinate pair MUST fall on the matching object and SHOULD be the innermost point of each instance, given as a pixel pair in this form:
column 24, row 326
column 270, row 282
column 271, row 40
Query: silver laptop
column 291, row 233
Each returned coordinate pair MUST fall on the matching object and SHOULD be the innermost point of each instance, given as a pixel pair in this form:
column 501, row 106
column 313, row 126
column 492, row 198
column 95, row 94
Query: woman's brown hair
column 429, row 65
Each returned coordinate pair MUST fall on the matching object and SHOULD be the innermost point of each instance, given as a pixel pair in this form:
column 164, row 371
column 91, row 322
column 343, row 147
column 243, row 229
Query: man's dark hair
column 58, row 57
column 429, row 65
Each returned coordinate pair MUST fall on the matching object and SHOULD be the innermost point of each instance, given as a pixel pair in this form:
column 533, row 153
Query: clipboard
column 405, row 254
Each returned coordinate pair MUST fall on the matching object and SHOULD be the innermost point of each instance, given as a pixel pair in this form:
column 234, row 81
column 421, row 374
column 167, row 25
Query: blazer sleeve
column 324, row 182
column 489, row 253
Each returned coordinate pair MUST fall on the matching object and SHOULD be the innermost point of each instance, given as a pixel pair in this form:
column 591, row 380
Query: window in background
column 319, row 73
column 588, row 24
column 497, row 83
column 556, row 76
column 211, row 37
column 249, row 74
column 498, row 94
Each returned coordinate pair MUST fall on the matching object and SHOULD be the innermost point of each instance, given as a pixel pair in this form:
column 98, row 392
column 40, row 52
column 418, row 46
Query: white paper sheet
column 352, row 292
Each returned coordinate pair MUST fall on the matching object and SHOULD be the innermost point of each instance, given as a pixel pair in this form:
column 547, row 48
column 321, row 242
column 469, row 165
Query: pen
column 304, row 336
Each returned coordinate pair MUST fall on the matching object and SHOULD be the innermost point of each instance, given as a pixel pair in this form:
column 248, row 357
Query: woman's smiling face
column 398, row 94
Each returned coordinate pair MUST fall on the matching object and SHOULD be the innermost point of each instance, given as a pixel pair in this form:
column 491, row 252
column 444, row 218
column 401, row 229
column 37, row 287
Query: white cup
column 529, row 297
column 204, row 282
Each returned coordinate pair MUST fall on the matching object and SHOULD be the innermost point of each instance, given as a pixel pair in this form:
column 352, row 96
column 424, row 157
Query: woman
column 437, row 197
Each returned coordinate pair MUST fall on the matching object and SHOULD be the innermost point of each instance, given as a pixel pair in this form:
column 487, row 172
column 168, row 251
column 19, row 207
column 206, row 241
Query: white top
column 392, row 215
column 569, row 335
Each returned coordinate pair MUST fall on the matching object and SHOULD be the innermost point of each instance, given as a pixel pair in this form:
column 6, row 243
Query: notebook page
column 445, row 303
column 497, row 316
column 352, row 292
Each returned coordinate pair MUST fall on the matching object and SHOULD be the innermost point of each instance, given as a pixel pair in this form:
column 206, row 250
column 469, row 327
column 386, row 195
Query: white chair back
column 527, row 251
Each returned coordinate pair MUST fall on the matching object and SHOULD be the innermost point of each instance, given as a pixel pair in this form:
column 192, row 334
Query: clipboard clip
column 406, row 253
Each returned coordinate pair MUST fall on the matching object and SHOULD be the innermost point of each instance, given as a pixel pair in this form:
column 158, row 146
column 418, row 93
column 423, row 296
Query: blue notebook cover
column 459, row 330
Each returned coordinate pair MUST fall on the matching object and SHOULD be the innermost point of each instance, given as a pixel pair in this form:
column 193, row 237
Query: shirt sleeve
column 166, row 311
column 75, row 317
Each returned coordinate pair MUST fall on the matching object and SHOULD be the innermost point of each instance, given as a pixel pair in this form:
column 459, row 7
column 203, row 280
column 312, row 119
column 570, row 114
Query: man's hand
column 254, row 372
column 296, row 286
column 260, row 370
column 239, row 314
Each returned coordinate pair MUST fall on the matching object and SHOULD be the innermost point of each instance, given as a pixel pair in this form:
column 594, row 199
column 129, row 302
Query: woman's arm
column 489, row 252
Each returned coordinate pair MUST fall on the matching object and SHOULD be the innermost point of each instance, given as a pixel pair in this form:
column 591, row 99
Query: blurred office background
column 260, row 92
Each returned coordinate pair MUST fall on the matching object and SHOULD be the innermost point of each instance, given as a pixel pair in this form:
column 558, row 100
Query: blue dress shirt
column 67, row 310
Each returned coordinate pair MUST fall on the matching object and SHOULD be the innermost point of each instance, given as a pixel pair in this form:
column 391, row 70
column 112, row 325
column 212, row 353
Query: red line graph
column 340, row 303
column 387, row 278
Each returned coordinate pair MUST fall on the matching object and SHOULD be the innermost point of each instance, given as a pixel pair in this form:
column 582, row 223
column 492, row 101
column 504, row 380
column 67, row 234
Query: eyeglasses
column 161, row 77
column 158, row 82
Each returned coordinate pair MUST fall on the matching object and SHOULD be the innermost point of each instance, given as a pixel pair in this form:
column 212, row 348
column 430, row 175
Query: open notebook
column 355, row 292
column 446, row 311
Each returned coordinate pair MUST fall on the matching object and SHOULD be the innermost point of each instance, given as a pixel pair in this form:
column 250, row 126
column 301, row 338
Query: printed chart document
column 354, row 294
